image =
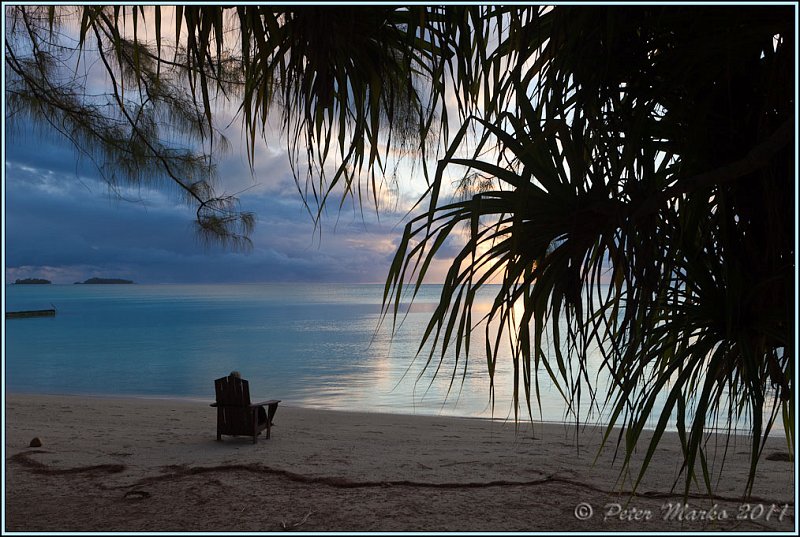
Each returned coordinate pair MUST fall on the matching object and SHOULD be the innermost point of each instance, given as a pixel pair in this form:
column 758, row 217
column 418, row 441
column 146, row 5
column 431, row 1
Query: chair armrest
column 266, row 403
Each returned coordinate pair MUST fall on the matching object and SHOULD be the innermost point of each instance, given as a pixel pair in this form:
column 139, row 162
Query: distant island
column 28, row 281
column 103, row 280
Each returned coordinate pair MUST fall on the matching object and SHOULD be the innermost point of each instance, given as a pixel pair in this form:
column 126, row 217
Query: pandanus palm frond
column 644, row 163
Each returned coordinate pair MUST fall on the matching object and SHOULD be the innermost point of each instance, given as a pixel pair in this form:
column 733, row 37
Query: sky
column 63, row 223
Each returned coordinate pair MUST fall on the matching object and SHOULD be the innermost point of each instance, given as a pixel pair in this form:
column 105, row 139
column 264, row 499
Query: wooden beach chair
column 236, row 415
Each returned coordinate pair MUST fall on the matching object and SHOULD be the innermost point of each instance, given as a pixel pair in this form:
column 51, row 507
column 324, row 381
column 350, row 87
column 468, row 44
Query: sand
column 109, row 464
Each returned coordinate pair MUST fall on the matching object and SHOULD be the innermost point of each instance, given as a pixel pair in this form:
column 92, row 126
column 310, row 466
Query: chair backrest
column 232, row 391
column 233, row 399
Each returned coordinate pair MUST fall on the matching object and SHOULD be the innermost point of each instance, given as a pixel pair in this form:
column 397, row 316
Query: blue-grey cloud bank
column 63, row 223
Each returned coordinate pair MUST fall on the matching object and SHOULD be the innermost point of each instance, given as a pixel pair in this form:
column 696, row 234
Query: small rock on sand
column 36, row 442
column 780, row 456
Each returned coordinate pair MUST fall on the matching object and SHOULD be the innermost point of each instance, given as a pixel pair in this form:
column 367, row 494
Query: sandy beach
column 110, row 464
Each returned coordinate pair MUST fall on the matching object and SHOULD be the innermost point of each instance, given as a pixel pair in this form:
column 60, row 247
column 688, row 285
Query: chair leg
column 255, row 424
column 271, row 413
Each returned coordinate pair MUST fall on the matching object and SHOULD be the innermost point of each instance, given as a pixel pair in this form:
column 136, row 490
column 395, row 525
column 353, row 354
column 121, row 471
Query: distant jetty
column 30, row 281
column 103, row 280
column 30, row 313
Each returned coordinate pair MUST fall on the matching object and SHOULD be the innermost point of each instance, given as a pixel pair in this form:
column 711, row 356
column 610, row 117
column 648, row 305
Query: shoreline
column 776, row 431
column 136, row 464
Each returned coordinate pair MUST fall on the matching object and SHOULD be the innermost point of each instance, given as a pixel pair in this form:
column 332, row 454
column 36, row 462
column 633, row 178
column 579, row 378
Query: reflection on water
column 309, row 345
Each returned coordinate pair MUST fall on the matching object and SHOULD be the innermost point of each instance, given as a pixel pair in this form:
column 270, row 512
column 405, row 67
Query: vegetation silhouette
column 627, row 174
column 31, row 281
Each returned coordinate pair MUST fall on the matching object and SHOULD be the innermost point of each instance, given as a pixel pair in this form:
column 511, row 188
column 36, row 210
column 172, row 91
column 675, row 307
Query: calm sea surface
column 313, row 345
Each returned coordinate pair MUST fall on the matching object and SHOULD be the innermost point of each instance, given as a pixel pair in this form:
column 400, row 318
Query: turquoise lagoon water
column 309, row 345
column 316, row 345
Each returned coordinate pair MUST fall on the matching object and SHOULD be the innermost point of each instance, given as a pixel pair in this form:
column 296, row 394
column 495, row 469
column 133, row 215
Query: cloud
column 63, row 223
column 63, row 220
